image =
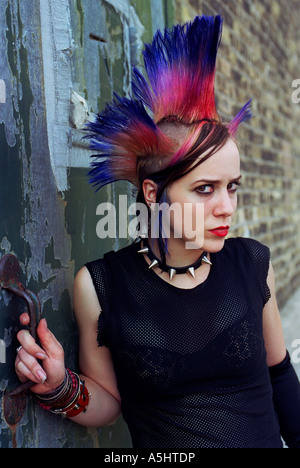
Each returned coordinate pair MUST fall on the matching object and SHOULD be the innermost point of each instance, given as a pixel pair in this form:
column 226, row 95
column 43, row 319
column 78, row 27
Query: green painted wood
column 53, row 232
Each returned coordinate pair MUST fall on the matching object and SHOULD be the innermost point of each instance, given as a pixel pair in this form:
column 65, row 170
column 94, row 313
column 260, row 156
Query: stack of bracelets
column 69, row 399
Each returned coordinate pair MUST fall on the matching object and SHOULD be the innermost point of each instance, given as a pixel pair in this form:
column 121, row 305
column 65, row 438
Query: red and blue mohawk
column 180, row 64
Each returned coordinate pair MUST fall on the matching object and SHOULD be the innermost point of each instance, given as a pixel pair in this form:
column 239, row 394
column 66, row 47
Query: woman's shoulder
column 246, row 242
column 255, row 250
column 112, row 254
column 111, row 261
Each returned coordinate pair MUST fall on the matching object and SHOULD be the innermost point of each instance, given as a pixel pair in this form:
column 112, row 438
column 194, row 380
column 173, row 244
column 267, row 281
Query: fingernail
column 41, row 376
column 41, row 356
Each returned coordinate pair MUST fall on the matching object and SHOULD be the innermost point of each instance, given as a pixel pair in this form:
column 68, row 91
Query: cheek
column 211, row 205
column 234, row 203
column 187, row 222
column 208, row 209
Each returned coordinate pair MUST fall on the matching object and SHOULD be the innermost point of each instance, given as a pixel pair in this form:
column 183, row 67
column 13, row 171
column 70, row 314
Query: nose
column 225, row 204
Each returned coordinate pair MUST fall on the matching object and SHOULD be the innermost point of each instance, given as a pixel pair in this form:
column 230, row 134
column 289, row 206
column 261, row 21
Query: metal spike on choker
column 155, row 262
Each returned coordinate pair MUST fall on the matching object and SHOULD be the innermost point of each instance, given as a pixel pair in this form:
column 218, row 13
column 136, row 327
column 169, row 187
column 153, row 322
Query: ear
column 150, row 191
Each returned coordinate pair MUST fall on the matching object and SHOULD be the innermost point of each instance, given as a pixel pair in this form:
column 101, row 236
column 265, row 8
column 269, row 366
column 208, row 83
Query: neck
column 178, row 255
column 173, row 269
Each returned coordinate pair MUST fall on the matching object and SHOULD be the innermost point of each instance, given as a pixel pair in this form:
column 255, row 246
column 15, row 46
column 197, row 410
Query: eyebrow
column 213, row 181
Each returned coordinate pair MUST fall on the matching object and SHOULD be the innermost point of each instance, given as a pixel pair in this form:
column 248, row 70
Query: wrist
column 69, row 399
column 51, row 388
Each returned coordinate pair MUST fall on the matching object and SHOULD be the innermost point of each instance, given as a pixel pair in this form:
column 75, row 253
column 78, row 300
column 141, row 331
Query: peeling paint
column 49, row 63
column 79, row 110
column 5, row 245
column 34, row 214
column 57, row 49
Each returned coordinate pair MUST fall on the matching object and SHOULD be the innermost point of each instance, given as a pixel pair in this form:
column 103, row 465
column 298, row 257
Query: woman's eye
column 233, row 186
column 205, row 189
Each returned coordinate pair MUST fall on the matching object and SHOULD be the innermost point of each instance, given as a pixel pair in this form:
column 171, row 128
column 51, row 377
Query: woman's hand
column 43, row 364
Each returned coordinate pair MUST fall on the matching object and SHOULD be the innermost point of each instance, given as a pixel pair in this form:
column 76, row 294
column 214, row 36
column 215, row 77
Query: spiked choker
column 155, row 262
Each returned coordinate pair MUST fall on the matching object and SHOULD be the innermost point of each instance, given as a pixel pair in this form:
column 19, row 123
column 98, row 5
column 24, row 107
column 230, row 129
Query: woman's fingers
column 50, row 344
column 19, row 368
column 29, row 345
column 42, row 364
column 25, row 319
column 28, row 367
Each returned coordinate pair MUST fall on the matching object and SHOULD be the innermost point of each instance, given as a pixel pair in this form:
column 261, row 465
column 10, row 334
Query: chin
column 213, row 246
column 209, row 245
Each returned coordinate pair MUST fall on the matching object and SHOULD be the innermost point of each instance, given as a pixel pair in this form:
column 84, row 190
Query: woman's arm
column 284, row 380
column 272, row 327
column 95, row 363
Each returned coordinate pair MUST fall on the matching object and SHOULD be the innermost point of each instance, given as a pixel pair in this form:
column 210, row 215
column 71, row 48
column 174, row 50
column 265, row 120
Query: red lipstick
column 221, row 231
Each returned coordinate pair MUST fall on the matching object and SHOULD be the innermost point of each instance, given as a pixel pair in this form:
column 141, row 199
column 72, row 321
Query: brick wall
column 259, row 58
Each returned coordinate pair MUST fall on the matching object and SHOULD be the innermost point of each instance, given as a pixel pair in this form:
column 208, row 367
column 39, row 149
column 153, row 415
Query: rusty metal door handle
column 10, row 281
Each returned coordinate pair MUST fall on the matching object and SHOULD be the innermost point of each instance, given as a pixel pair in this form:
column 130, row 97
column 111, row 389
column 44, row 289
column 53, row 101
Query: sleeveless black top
column 190, row 363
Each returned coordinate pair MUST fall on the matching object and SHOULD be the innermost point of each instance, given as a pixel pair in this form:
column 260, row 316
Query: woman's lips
column 221, row 231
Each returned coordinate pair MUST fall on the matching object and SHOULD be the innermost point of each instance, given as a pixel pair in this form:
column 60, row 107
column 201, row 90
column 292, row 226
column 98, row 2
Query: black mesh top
column 190, row 363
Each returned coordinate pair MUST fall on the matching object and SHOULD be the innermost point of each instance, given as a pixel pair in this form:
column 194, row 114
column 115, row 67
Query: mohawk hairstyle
column 180, row 64
column 125, row 135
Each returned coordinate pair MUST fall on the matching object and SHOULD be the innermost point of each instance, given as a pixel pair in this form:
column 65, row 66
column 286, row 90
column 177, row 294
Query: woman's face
column 211, row 189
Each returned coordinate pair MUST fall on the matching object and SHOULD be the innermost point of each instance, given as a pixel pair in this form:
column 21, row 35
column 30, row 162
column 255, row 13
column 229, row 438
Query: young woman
column 188, row 343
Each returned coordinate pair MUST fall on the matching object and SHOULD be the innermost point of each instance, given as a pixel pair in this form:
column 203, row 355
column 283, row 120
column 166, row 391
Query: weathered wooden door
column 60, row 60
